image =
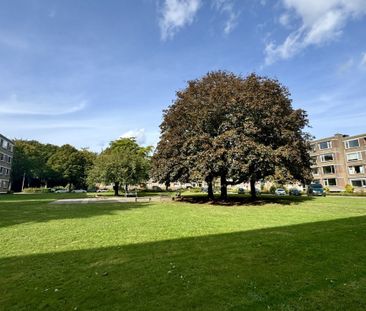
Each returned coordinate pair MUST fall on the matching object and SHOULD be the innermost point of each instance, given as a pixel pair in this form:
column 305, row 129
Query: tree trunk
column 115, row 188
column 167, row 184
column 253, row 192
column 210, row 189
column 223, row 188
column 23, row 181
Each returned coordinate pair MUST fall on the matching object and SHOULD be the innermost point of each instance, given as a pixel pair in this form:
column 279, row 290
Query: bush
column 36, row 190
column 272, row 189
column 195, row 189
column 349, row 188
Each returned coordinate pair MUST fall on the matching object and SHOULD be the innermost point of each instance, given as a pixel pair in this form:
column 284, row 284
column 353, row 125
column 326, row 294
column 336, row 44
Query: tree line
column 35, row 164
column 226, row 126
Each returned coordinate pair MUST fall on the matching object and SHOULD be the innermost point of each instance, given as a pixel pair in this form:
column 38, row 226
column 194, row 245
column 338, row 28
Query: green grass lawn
column 296, row 254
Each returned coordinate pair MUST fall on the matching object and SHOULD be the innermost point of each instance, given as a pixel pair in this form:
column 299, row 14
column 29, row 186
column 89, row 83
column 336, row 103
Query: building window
column 325, row 145
column 357, row 169
column 327, row 157
column 354, row 156
column 358, row 182
column 330, row 182
column 313, row 147
column 315, row 170
column 9, row 159
column 2, row 157
column 328, row 169
column 1, row 170
column 352, row 143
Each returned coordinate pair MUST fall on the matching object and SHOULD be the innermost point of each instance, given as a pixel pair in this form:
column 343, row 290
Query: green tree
column 70, row 164
column 234, row 128
column 124, row 162
column 30, row 163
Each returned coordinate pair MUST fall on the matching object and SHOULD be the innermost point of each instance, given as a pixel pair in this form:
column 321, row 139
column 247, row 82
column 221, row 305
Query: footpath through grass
column 306, row 254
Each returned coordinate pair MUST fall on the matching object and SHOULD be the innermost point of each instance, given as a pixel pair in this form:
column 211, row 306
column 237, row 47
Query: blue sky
column 86, row 72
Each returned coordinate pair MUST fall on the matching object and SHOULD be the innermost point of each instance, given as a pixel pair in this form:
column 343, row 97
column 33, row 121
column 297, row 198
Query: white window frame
column 359, row 156
column 334, row 169
column 352, row 171
column 322, row 159
column 363, row 181
column 329, row 145
column 326, row 182
column 346, row 143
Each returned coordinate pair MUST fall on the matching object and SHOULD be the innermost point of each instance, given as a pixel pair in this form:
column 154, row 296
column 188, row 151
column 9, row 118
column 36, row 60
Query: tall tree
column 124, row 162
column 234, row 128
column 69, row 163
column 30, row 163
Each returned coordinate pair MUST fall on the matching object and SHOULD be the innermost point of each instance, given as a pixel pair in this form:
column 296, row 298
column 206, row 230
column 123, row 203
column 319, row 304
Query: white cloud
column 284, row 19
column 227, row 7
column 363, row 59
column 42, row 106
column 176, row 14
column 139, row 135
column 320, row 22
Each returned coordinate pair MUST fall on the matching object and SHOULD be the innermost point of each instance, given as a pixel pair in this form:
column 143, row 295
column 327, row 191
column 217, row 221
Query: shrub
column 36, row 190
column 349, row 188
column 272, row 189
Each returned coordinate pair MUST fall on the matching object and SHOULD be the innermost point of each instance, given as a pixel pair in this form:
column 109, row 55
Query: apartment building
column 340, row 160
column 6, row 159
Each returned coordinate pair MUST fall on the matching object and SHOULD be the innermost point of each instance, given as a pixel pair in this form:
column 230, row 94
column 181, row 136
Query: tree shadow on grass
column 14, row 213
column 245, row 200
column 314, row 266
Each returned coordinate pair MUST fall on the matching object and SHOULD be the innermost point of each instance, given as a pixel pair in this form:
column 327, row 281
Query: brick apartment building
column 340, row 160
column 6, row 158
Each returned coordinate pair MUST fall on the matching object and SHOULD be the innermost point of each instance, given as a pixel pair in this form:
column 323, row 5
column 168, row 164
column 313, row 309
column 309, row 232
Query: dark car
column 295, row 192
column 241, row 191
column 316, row 189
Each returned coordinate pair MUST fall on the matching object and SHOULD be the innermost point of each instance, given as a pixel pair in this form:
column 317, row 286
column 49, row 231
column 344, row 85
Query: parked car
column 280, row 191
column 102, row 190
column 294, row 191
column 61, row 191
column 79, row 191
column 241, row 191
column 204, row 189
column 316, row 189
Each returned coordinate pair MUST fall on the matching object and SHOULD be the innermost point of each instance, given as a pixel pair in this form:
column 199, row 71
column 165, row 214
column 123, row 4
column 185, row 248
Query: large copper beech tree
column 238, row 129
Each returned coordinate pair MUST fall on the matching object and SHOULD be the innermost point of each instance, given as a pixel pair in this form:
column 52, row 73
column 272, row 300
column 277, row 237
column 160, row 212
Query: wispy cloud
column 363, row 60
column 176, row 14
column 346, row 66
column 320, row 22
column 227, row 7
column 41, row 106
column 12, row 41
column 139, row 135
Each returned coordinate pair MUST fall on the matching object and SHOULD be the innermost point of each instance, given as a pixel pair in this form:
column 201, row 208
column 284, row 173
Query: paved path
column 110, row 200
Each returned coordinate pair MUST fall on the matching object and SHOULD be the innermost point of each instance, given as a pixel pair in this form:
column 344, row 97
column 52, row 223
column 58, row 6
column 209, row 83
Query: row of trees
column 238, row 129
column 35, row 164
column 45, row 165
